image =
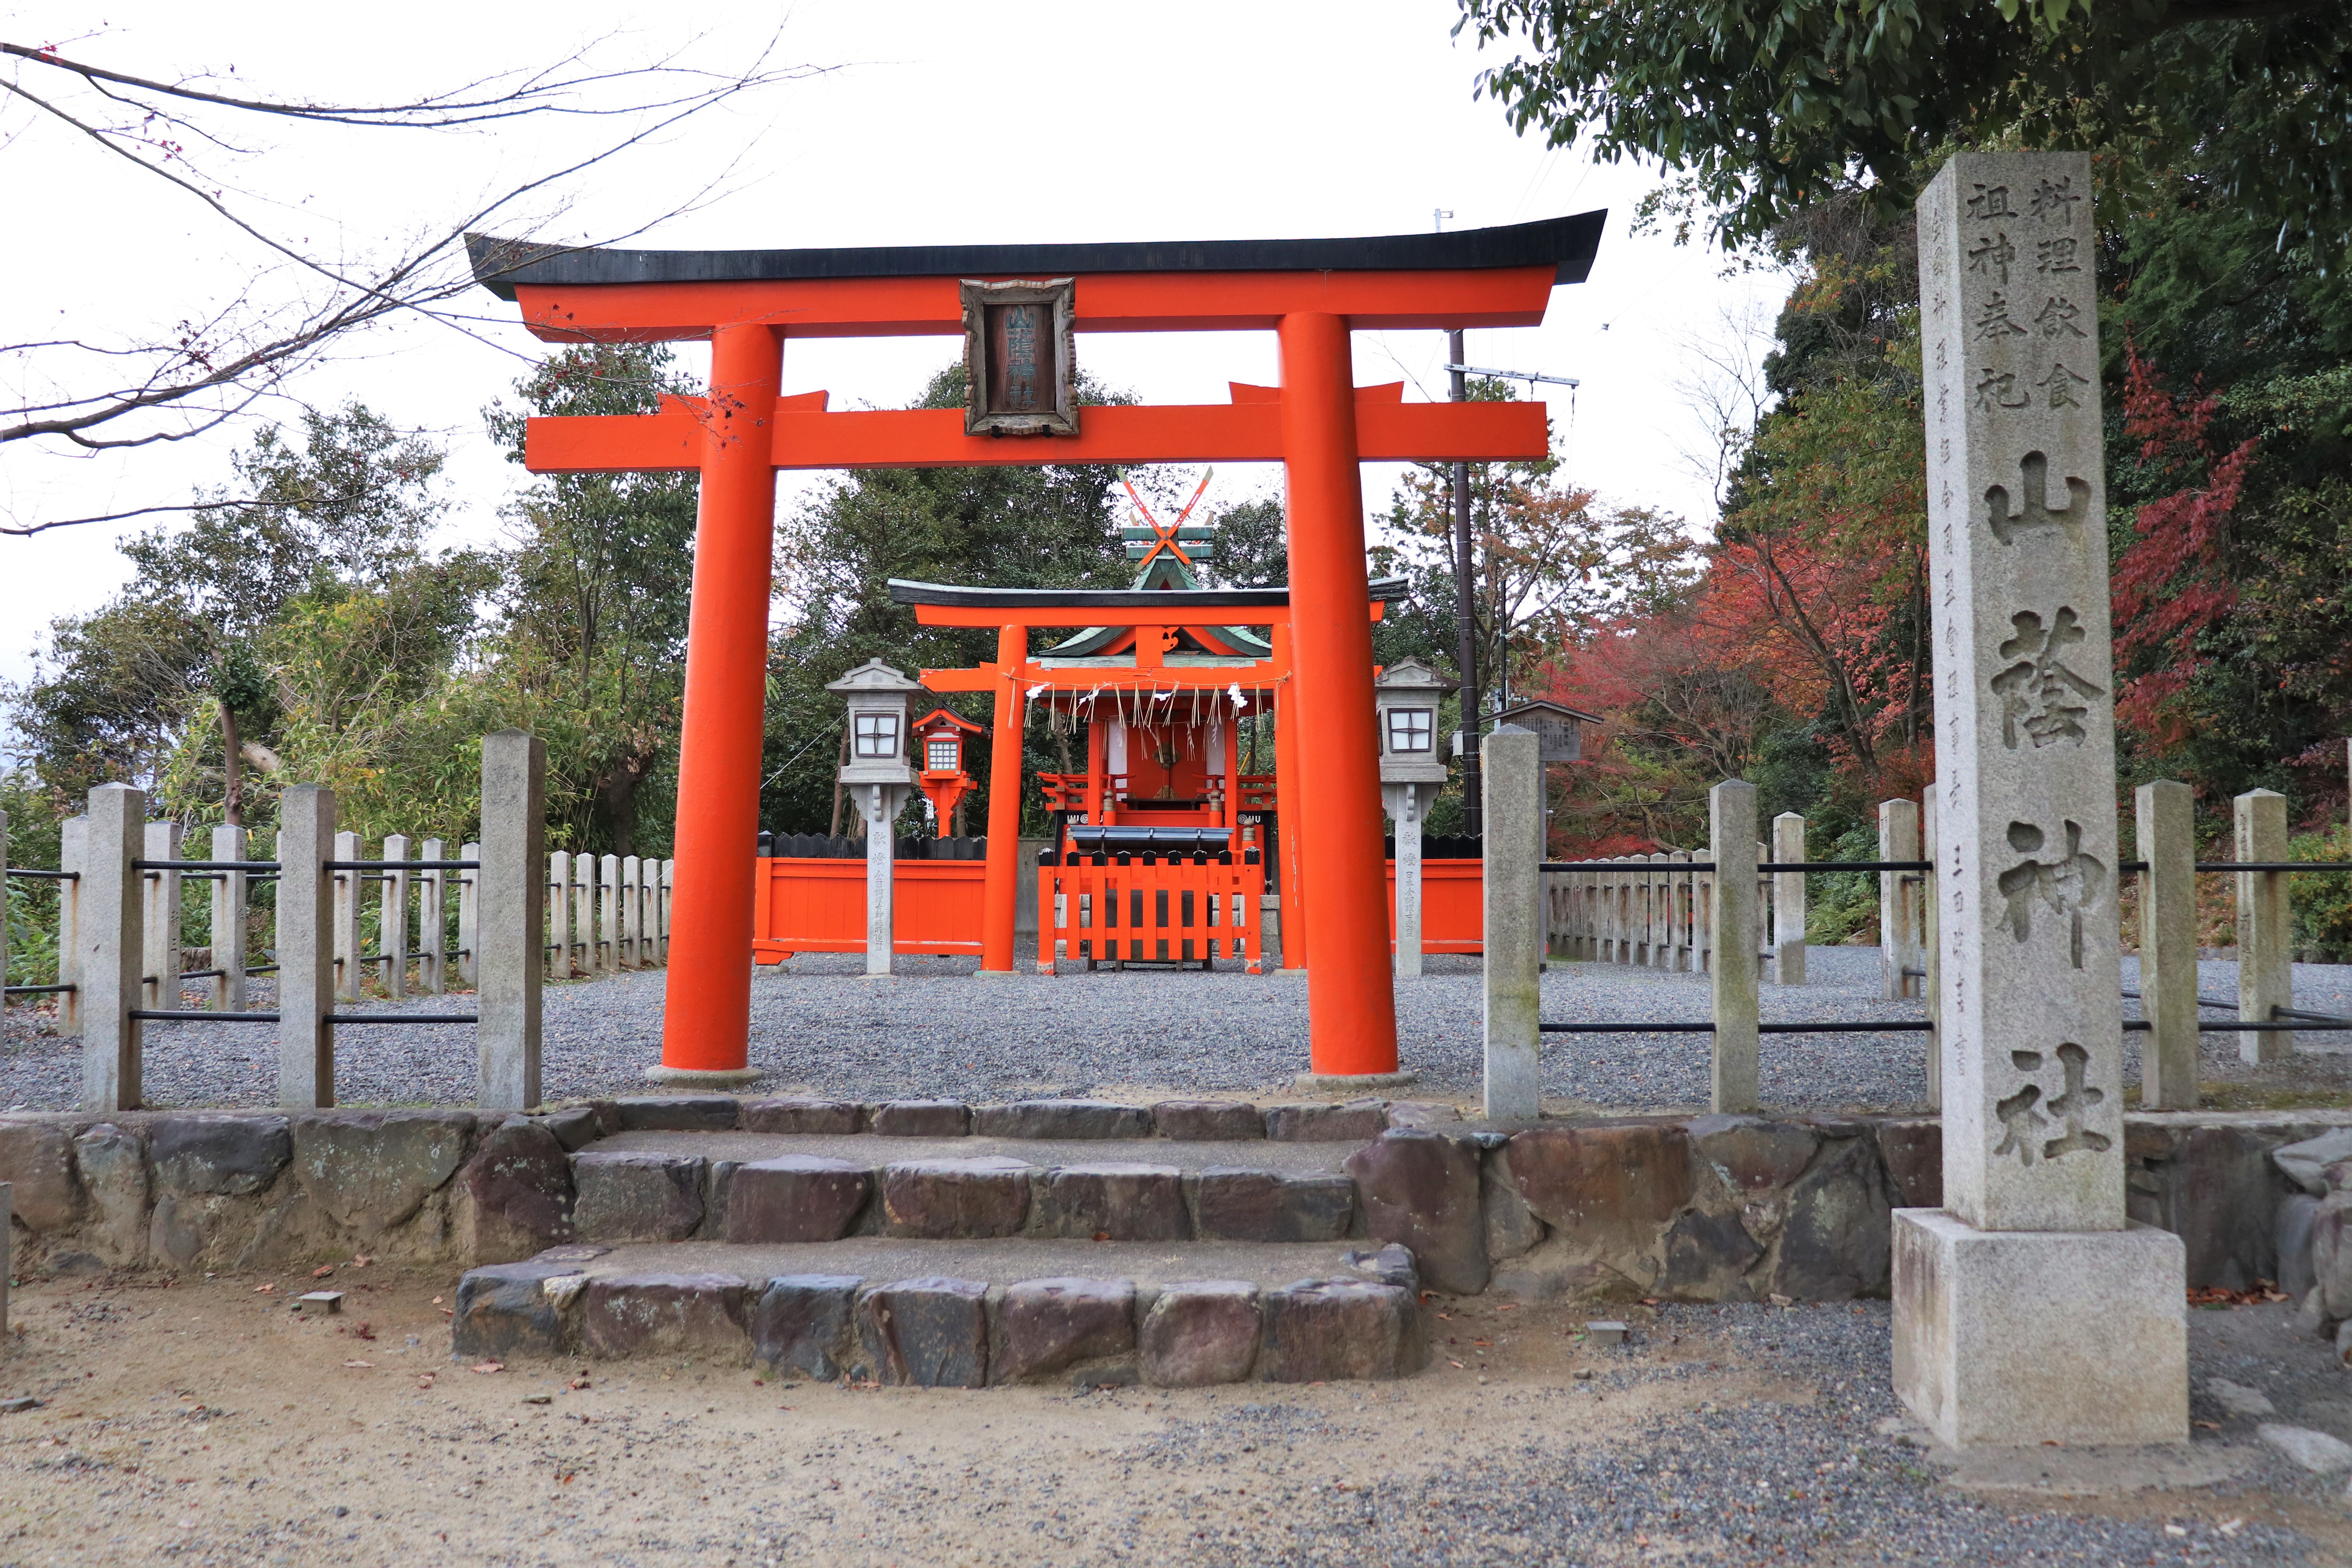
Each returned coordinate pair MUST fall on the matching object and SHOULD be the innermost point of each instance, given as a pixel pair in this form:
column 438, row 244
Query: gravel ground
column 204, row 1423
column 817, row 1024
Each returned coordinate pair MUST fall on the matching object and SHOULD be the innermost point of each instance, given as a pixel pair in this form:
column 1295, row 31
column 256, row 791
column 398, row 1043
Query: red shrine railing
column 1151, row 908
column 1068, row 791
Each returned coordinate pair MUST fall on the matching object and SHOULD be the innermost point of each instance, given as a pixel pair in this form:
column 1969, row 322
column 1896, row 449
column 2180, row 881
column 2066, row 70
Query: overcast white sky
column 944, row 122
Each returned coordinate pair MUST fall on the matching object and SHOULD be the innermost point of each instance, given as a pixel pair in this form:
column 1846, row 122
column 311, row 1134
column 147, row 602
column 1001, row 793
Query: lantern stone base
column 2007, row 1338
column 705, row 1077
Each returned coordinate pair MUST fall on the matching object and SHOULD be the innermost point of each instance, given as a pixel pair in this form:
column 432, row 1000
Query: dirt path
column 204, row 1423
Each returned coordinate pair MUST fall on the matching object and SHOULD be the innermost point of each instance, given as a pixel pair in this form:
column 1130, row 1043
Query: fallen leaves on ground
column 2220, row 1296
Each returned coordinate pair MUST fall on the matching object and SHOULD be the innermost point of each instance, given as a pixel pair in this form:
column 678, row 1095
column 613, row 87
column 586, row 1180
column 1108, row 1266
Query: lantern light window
column 945, row 753
column 1411, row 729
column 877, row 734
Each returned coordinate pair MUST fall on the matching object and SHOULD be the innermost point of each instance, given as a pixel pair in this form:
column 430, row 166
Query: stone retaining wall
column 1707, row 1209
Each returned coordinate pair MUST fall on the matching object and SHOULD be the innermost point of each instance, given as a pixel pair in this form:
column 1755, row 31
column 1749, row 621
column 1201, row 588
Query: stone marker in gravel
column 1200, row 1333
column 660, row 1314
column 2314, row 1451
column 925, row 1333
column 795, row 1197
column 2032, row 1264
column 1051, row 1325
column 1607, row 1333
column 950, row 1199
column 1208, row 1120
column 1511, row 908
column 637, row 1197
column 803, row 1324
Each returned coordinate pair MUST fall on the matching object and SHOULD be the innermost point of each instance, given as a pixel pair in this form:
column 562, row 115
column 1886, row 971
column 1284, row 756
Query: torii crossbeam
column 1310, row 293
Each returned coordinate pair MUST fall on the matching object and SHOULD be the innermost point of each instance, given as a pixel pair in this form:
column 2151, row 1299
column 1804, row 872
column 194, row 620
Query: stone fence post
column 584, row 914
column 512, row 916
column 1735, row 940
column 669, row 897
column 1789, row 900
column 2167, row 944
column 345, row 919
column 313, row 907
column 2265, row 924
column 1899, row 956
column 112, row 937
column 231, row 903
column 3, row 926
column 632, row 913
column 1511, row 774
column 392, row 934
column 469, row 916
column 1931, row 946
column 432, row 922
column 73, row 855
column 608, row 914
column 160, row 895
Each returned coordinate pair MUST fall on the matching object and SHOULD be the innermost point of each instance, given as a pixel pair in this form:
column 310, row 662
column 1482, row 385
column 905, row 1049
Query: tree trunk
column 835, row 831
column 232, row 770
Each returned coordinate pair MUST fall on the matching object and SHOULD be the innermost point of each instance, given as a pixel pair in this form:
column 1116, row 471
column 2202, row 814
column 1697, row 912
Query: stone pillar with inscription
column 2028, row 1308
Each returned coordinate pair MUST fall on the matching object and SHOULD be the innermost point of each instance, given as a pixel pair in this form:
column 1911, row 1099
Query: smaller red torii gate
column 1312, row 294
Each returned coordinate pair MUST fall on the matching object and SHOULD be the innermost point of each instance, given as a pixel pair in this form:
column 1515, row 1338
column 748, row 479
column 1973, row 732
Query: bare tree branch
column 217, row 371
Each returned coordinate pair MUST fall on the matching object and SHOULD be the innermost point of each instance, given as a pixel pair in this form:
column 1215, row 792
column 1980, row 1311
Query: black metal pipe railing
column 402, row 865
column 1808, row 868
column 205, row 865
column 39, row 875
column 40, row 990
column 1841, row 1027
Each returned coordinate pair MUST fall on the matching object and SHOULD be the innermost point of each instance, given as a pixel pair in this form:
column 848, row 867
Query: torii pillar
column 1350, row 993
column 708, row 1014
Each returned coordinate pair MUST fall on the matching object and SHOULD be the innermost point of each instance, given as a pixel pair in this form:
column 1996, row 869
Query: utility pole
column 1466, row 642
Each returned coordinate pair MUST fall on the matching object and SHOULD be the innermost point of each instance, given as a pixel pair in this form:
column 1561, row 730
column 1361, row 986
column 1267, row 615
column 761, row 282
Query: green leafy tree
column 593, row 608
column 1765, row 106
column 186, row 677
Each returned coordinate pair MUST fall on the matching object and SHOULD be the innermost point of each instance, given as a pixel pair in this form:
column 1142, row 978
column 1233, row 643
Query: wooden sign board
column 1017, row 344
column 1560, row 731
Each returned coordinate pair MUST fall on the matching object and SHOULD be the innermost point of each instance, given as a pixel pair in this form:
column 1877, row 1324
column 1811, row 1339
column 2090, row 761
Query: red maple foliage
column 2172, row 585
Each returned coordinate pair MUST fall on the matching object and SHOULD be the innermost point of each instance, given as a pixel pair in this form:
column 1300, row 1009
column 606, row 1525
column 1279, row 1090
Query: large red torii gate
column 1311, row 293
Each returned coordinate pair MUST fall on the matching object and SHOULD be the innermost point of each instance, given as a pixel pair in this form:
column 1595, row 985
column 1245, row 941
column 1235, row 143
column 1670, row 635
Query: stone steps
column 965, row 1312
column 768, row 1188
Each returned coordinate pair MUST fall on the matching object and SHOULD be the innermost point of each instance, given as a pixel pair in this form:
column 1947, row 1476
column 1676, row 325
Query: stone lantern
column 939, row 745
column 878, row 776
column 1406, row 698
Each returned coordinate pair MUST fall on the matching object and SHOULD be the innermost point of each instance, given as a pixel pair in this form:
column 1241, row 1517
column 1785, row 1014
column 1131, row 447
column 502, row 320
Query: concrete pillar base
column 704, row 1077
column 2012, row 1338
column 1343, row 1082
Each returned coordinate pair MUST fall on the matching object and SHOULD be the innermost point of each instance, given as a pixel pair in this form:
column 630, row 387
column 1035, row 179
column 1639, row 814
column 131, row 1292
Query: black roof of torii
column 1568, row 244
